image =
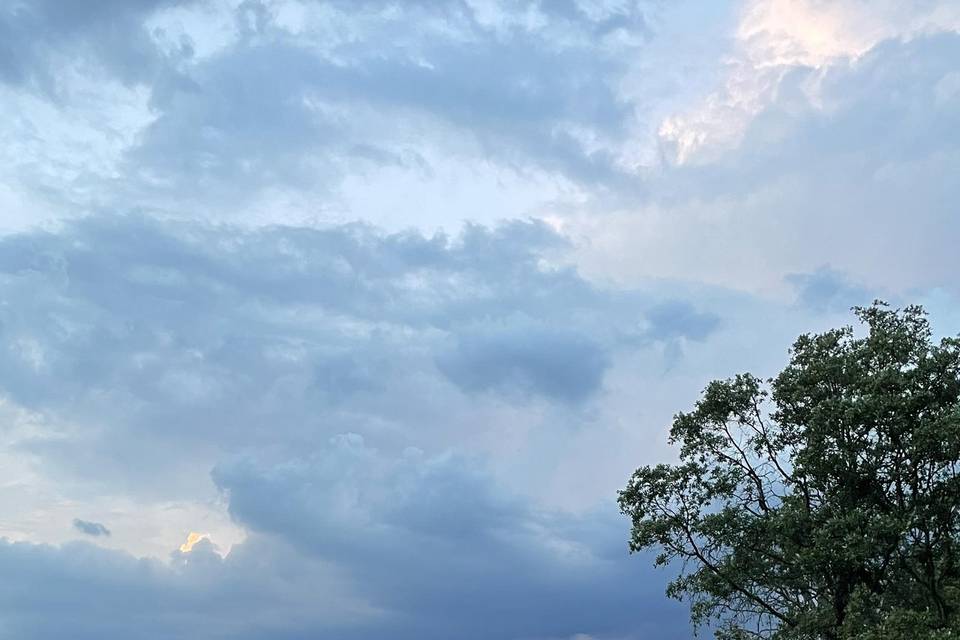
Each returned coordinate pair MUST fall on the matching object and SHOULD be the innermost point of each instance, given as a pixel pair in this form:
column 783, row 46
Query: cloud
column 90, row 528
column 776, row 38
column 296, row 110
column 191, row 346
column 679, row 319
column 295, row 106
column 39, row 38
column 352, row 543
column 261, row 590
column 194, row 539
column 828, row 290
column 140, row 338
column 505, row 377
column 849, row 164
column 435, row 545
column 521, row 358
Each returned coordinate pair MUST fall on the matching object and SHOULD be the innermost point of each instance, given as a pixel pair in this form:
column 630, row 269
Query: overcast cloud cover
column 347, row 319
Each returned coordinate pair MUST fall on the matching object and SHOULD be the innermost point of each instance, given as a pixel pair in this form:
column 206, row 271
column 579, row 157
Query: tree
column 824, row 503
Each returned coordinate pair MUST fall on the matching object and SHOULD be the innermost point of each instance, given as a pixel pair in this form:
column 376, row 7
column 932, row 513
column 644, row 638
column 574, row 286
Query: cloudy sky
column 347, row 319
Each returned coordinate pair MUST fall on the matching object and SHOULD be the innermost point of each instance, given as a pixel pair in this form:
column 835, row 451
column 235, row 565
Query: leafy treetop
column 824, row 503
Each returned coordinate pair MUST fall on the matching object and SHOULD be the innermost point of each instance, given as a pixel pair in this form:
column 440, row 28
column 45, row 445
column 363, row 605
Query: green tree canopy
column 823, row 503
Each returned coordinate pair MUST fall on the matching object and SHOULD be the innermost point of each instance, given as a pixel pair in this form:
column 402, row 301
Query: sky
column 347, row 319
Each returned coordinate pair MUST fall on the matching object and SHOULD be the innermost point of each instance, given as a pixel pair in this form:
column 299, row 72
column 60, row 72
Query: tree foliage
column 824, row 503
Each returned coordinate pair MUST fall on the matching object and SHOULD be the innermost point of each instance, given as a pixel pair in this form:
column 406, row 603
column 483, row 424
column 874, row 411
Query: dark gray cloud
column 443, row 551
column 178, row 345
column 674, row 319
column 90, row 528
column 828, row 290
column 39, row 37
column 265, row 105
column 276, row 108
column 261, row 590
column 351, row 543
column 517, row 358
column 148, row 337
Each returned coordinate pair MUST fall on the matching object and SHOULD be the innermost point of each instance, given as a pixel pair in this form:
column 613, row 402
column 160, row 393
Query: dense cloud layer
column 392, row 431
column 442, row 551
column 41, row 37
column 191, row 347
column 85, row 592
column 176, row 345
column 351, row 543
column 172, row 344
column 848, row 166
column 212, row 106
column 172, row 331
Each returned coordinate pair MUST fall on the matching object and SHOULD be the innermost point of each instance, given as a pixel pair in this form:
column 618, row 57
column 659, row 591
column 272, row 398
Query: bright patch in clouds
column 773, row 40
column 192, row 539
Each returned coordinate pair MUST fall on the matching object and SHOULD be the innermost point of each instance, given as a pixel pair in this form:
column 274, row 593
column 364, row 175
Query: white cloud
column 857, row 176
column 773, row 39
